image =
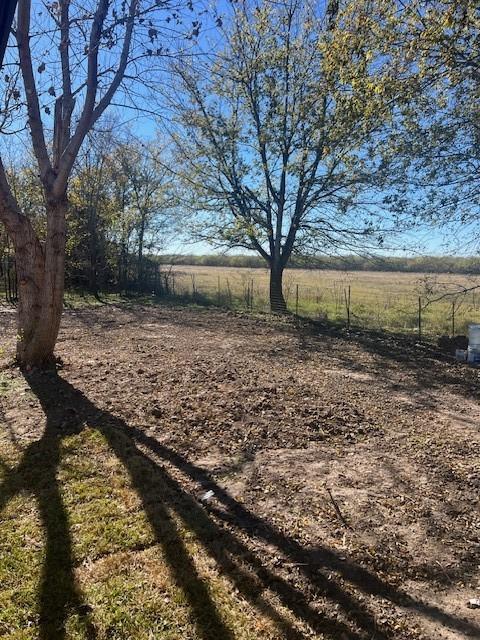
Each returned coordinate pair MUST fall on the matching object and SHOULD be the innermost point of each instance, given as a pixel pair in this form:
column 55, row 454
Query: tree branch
column 65, row 104
column 33, row 107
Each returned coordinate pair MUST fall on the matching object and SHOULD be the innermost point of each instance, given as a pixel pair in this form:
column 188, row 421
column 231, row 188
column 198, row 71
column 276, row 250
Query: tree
column 435, row 142
column 96, row 44
column 146, row 189
column 277, row 133
column 91, row 212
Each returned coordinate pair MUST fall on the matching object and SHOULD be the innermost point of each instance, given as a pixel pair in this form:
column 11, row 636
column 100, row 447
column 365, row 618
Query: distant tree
column 278, row 132
column 121, row 209
column 23, row 180
column 151, row 200
column 73, row 60
column 91, row 212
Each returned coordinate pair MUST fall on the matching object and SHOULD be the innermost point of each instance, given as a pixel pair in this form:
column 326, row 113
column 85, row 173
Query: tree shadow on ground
column 428, row 368
column 226, row 529
column 36, row 474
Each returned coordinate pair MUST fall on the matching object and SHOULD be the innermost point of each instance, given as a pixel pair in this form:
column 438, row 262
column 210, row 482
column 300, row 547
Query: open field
column 343, row 471
column 379, row 300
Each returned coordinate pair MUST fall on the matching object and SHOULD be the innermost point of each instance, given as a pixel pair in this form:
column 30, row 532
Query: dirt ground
column 344, row 468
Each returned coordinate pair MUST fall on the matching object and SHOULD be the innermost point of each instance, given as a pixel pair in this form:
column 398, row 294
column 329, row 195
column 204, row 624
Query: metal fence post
column 419, row 318
column 347, row 305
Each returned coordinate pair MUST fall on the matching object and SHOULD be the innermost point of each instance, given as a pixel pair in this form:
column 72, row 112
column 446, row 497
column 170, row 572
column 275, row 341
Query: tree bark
column 277, row 300
column 41, row 272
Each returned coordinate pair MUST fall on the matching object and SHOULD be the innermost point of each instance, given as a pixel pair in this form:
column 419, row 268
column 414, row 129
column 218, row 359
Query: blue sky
column 427, row 242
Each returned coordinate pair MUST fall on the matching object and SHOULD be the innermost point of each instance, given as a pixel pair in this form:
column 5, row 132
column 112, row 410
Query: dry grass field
column 379, row 300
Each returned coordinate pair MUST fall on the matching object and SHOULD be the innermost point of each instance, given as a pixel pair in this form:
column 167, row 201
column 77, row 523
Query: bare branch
column 33, row 107
column 65, row 104
column 91, row 113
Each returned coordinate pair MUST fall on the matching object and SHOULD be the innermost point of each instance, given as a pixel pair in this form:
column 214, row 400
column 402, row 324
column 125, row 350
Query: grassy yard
column 88, row 519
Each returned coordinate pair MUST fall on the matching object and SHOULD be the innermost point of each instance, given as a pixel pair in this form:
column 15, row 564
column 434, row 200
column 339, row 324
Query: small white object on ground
column 208, row 495
column 474, row 336
column 474, row 603
column 473, row 355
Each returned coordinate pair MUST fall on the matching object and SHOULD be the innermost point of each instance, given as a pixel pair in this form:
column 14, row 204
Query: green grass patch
column 92, row 544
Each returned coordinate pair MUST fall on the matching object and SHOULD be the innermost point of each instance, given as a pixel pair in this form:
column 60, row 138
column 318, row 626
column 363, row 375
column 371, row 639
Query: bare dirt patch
column 289, row 428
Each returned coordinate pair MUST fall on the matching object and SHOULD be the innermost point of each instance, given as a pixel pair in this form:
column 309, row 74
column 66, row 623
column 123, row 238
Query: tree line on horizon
column 469, row 265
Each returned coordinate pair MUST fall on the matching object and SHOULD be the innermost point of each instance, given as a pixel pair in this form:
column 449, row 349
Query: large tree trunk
column 41, row 272
column 277, row 300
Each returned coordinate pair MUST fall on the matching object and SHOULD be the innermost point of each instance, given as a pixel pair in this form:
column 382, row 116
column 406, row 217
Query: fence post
column 15, row 280
column 218, row 291
column 419, row 318
column 251, row 295
column 5, row 275
column 296, row 300
column 156, row 285
column 453, row 318
column 347, row 305
column 229, row 293
column 194, row 289
column 9, row 278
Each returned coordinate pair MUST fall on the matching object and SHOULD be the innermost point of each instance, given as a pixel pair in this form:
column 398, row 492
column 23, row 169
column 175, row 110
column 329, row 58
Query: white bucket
column 474, row 336
column 473, row 356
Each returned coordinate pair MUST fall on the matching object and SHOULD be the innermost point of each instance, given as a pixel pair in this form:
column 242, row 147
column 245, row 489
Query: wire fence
column 350, row 304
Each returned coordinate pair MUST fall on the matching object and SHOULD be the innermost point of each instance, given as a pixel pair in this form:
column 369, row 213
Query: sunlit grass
column 126, row 584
